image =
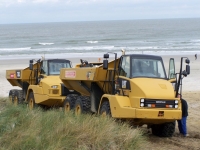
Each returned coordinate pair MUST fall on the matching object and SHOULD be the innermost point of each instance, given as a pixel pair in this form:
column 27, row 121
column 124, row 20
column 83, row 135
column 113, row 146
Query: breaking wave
column 15, row 49
column 46, row 43
column 92, row 42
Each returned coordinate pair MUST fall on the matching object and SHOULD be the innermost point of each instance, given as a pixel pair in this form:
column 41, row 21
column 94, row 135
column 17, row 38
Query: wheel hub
column 31, row 104
column 15, row 100
column 67, row 107
column 78, row 110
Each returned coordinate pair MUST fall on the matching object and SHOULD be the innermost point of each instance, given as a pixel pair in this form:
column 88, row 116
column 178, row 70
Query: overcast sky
column 34, row 11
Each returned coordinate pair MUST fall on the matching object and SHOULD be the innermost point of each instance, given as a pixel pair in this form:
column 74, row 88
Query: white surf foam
column 46, row 43
column 92, row 42
column 15, row 49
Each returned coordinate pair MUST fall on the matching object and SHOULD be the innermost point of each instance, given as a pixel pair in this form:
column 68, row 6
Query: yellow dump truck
column 40, row 83
column 133, row 87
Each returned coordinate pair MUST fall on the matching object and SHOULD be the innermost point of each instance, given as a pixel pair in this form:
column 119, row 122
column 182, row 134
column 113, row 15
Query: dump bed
column 17, row 76
column 80, row 78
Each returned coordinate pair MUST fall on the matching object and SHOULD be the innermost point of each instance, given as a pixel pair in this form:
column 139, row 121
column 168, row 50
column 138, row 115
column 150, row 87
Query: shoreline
column 91, row 54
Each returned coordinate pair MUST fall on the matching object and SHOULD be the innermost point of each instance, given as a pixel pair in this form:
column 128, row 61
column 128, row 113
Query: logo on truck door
column 70, row 74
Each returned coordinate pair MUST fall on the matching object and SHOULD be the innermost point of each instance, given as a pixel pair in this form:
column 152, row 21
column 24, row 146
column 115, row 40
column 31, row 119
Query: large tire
column 11, row 96
column 155, row 128
column 163, row 130
column 167, row 129
column 31, row 101
column 105, row 109
column 69, row 102
column 17, row 97
column 82, row 105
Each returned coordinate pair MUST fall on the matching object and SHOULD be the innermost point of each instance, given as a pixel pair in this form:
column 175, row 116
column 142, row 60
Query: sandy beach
column 191, row 92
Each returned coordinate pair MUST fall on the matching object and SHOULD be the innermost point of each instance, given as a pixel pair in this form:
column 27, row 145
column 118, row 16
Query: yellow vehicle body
column 126, row 106
column 122, row 108
column 72, row 77
column 133, row 87
column 23, row 75
column 40, row 83
column 44, row 94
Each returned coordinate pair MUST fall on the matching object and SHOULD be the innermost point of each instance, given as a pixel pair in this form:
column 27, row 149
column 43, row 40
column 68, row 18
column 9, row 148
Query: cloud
column 45, row 1
column 122, row 2
column 17, row 11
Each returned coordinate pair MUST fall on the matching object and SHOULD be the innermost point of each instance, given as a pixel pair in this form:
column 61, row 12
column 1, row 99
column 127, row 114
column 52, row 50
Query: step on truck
column 40, row 83
column 134, row 88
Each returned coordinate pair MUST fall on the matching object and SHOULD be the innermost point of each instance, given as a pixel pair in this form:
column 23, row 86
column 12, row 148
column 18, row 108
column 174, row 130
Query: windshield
column 52, row 67
column 147, row 68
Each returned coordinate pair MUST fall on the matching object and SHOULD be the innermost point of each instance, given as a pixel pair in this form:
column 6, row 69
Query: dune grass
column 21, row 128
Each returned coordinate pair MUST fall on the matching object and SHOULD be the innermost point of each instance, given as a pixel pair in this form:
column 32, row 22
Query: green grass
column 21, row 128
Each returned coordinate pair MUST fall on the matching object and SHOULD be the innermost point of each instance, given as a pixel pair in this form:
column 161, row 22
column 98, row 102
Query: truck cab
column 48, row 89
column 134, row 66
column 52, row 66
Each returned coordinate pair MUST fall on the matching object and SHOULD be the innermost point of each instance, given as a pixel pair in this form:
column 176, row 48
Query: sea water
column 78, row 39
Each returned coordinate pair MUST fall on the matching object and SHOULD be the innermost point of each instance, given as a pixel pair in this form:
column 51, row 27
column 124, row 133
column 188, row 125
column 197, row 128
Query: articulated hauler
column 40, row 83
column 134, row 87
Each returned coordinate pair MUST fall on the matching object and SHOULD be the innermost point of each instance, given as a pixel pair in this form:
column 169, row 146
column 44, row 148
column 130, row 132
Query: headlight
column 142, row 100
column 54, row 86
column 176, row 106
column 176, row 101
column 141, row 104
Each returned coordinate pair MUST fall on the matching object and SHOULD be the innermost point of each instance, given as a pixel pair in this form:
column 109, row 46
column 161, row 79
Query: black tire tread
column 18, row 93
column 12, row 93
column 105, row 107
column 155, row 128
column 164, row 130
column 84, row 103
column 71, row 98
column 167, row 129
column 20, row 96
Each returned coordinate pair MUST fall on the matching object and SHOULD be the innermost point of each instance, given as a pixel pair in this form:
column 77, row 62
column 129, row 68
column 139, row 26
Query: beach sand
column 191, row 92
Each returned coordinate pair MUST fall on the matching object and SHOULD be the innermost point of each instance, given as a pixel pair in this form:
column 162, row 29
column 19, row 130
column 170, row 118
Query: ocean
column 161, row 36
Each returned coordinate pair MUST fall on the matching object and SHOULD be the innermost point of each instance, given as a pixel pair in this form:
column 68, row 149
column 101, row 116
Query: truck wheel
column 15, row 100
column 31, row 101
column 167, row 129
column 11, row 96
column 155, row 128
column 82, row 105
column 69, row 103
column 105, row 109
column 18, row 97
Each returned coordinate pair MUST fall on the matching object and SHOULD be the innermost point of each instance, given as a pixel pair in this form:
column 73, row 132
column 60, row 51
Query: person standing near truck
column 182, row 124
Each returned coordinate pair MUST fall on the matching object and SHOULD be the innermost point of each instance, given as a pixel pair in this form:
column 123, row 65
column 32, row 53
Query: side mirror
column 184, row 73
column 171, row 73
column 105, row 64
column 106, row 56
column 188, row 69
column 31, row 65
column 187, row 61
